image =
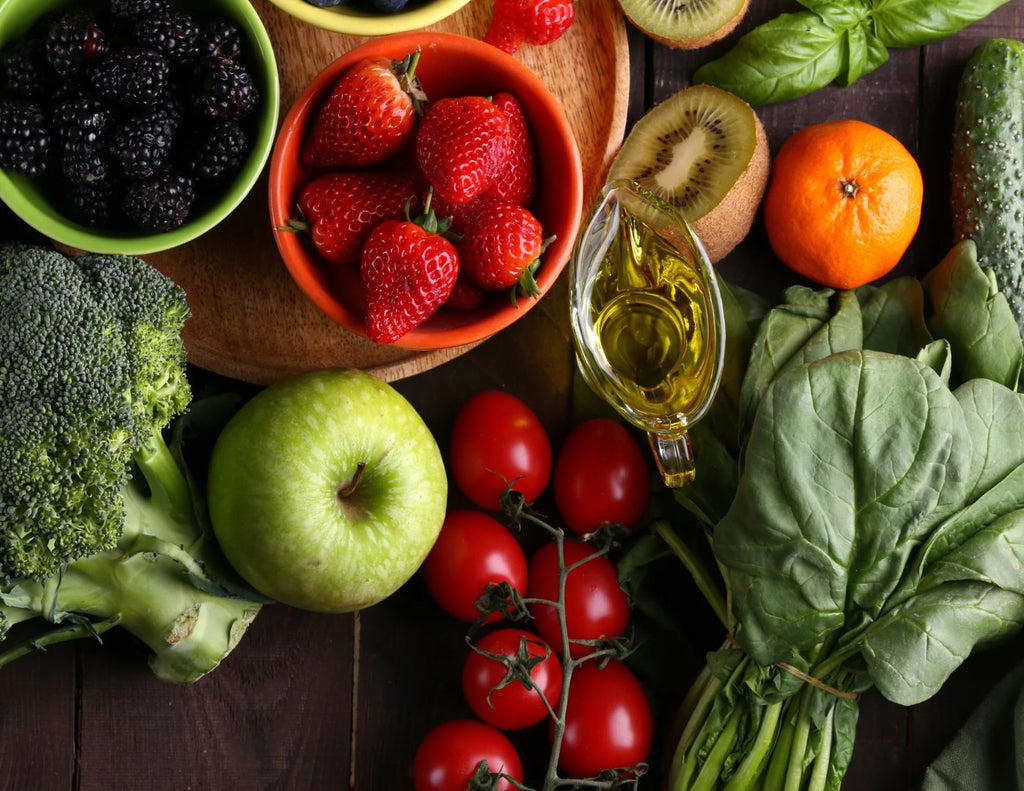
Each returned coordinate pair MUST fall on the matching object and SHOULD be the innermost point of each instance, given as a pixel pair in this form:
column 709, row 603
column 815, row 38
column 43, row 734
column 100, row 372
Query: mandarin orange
column 843, row 202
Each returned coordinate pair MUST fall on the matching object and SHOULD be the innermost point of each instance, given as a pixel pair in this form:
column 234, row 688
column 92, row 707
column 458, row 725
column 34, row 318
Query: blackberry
column 224, row 89
column 81, row 124
column 220, row 150
column 24, row 138
column 142, row 144
column 96, row 204
column 221, row 38
column 25, row 68
column 134, row 10
column 74, row 41
column 161, row 202
column 134, row 76
column 174, row 34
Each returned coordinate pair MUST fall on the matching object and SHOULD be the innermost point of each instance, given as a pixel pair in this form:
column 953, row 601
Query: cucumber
column 987, row 170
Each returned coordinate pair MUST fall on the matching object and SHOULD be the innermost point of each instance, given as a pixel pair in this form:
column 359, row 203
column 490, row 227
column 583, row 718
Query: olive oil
column 647, row 320
column 652, row 325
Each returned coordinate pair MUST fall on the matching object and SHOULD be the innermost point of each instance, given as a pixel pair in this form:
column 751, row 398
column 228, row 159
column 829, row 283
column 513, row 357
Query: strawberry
column 501, row 246
column 409, row 269
column 466, row 295
column 516, row 22
column 340, row 209
column 369, row 116
column 461, row 146
column 517, row 180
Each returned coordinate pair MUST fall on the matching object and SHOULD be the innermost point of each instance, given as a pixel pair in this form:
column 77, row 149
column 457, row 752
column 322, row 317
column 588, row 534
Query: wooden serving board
column 251, row 322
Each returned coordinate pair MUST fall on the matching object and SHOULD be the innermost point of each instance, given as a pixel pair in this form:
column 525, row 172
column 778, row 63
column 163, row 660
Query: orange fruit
column 843, row 203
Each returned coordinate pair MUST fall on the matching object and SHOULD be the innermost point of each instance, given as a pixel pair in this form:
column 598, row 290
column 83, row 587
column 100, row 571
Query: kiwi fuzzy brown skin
column 722, row 217
column 695, row 42
column 728, row 223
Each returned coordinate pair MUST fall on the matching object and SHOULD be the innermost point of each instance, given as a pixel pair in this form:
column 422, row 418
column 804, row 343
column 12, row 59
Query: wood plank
column 37, row 720
column 275, row 714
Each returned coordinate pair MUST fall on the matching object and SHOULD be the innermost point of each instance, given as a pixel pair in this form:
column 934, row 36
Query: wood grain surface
column 251, row 322
column 316, row 702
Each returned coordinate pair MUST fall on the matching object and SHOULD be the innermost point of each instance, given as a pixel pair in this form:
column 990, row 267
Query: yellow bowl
column 356, row 22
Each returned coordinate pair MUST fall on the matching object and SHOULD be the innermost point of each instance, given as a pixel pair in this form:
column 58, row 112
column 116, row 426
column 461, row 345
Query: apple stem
column 352, row 485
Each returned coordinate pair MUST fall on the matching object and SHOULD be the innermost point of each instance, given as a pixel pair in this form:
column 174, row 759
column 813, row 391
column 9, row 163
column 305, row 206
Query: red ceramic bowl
column 449, row 65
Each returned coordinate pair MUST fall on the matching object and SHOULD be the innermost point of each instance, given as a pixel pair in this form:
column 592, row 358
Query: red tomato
column 450, row 753
column 600, row 476
column 595, row 605
column 608, row 721
column 514, row 705
column 497, row 439
column 472, row 550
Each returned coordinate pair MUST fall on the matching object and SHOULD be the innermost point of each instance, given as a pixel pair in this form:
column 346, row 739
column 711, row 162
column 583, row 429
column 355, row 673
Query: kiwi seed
column 685, row 24
column 704, row 151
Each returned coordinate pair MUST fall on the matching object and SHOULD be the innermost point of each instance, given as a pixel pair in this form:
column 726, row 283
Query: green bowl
column 356, row 22
column 26, row 199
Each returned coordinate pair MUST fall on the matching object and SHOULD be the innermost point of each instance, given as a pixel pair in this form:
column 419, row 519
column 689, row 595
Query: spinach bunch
column 832, row 41
column 866, row 514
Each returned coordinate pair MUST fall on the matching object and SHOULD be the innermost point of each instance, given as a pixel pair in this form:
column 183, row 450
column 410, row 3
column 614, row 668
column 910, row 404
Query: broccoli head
column 92, row 371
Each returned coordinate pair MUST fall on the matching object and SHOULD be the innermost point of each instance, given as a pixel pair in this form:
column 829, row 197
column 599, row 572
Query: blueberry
column 325, row 3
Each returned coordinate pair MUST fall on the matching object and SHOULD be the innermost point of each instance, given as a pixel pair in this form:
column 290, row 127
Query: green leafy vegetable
column 873, row 534
column 797, row 53
column 99, row 522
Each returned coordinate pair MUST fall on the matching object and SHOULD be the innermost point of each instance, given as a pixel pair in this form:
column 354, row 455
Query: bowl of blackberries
column 370, row 17
column 132, row 126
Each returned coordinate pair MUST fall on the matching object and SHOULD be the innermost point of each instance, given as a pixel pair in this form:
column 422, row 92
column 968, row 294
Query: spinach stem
column 759, row 752
column 801, row 737
column 823, row 760
column 698, row 570
column 709, row 774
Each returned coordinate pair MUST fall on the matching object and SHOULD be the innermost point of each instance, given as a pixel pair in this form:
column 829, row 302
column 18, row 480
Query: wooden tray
column 251, row 322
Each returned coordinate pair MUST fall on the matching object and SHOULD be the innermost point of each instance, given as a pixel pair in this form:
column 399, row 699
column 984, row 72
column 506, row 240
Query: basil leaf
column 913, row 23
column 782, row 59
column 866, row 53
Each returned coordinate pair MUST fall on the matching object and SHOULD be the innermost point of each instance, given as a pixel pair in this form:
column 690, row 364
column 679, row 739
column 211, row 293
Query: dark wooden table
column 312, row 701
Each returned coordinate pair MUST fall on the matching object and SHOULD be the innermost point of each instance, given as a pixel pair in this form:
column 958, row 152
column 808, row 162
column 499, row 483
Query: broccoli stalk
column 100, row 525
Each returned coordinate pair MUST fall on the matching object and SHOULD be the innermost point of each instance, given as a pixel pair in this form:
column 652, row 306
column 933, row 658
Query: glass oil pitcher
column 647, row 320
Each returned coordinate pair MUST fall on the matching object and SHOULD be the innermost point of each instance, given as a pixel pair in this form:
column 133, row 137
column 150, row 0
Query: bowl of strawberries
column 425, row 190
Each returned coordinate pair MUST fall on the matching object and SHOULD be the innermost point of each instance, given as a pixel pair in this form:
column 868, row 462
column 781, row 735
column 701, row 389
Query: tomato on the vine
column 472, row 550
column 513, row 705
column 600, row 475
column 498, row 439
column 608, row 720
column 450, row 754
column 595, row 605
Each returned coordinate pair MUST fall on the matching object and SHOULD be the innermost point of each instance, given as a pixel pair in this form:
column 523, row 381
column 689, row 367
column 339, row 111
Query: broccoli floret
column 98, row 522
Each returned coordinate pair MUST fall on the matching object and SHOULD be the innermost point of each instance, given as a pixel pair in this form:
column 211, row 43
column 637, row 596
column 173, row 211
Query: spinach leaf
column 893, row 316
column 913, row 23
column 850, row 463
column 806, row 326
column 968, row 309
column 985, row 754
column 911, row 653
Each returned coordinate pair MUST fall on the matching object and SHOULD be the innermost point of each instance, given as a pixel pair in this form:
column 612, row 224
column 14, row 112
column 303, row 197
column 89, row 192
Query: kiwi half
column 685, row 24
column 704, row 151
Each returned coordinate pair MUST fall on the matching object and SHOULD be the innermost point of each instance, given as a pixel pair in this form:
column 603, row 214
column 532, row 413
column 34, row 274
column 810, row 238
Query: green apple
column 327, row 490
